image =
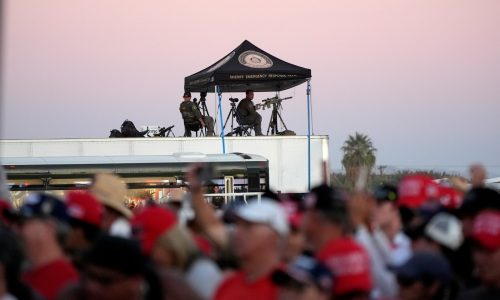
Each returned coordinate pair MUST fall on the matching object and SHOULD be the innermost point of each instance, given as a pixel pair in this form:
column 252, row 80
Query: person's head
column 261, row 229
column 386, row 211
column 304, row 279
column 325, row 217
column 175, row 198
column 85, row 213
column 423, row 276
column 43, row 225
column 249, row 94
column 113, row 269
column 111, row 191
column 477, row 175
column 186, row 96
column 174, row 248
column 415, row 191
column 150, row 223
column 486, row 251
column 475, row 201
column 443, row 229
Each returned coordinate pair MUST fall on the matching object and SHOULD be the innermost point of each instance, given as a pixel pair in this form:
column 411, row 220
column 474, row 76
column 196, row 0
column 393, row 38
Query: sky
column 420, row 77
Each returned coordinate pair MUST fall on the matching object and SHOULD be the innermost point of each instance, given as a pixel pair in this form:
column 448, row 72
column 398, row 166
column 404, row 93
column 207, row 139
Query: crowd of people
column 418, row 240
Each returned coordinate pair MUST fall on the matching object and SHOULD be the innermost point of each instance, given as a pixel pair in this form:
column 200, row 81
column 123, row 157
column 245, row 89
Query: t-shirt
column 237, row 287
column 49, row 279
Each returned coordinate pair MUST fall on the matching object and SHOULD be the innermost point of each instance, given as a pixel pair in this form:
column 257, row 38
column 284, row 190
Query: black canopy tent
column 249, row 67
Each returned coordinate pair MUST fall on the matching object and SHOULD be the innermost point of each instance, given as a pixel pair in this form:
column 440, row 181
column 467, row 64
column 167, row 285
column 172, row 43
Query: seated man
column 192, row 117
column 247, row 114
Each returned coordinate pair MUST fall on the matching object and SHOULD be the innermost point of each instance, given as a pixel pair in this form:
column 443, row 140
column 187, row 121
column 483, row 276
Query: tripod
column 232, row 114
column 273, row 122
column 202, row 106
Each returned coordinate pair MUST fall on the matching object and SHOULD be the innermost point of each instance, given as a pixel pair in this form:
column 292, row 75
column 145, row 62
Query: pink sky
column 420, row 77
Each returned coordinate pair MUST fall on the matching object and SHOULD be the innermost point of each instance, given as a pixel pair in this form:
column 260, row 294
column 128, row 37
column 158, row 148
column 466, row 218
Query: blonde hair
column 179, row 243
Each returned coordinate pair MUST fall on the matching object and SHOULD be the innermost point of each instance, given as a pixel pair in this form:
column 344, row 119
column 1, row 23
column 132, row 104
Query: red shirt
column 236, row 287
column 49, row 279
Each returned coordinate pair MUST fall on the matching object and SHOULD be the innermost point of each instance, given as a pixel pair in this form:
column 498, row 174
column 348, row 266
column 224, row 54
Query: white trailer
column 287, row 155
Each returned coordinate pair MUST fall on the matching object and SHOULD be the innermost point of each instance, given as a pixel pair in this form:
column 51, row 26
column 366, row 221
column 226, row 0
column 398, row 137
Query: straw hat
column 111, row 191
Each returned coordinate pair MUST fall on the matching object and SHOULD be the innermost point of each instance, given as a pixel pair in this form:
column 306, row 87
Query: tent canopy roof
column 247, row 67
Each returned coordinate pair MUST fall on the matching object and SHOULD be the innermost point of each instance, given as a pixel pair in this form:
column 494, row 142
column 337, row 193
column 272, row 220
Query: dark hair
column 331, row 205
column 11, row 258
column 338, row 217
column 90, row 231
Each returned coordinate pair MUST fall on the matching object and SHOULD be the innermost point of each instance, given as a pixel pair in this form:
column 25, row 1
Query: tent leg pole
column 219, row 94
column 308, row 136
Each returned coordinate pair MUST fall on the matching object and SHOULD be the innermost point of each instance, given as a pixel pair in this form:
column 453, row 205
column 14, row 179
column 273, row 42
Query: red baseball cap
column 349, row 263
column 415, row 190
column 150, row 223
column 83, row 206
column 450, row 197
column 486, row 229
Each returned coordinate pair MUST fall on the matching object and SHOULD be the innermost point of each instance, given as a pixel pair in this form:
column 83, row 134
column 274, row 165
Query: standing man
column 327, row 228
column 247, row 113
column 260, row 233
column 191, row 116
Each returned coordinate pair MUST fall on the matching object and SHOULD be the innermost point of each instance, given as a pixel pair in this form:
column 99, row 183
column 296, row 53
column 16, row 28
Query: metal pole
column 308, row 135
column 219, row 94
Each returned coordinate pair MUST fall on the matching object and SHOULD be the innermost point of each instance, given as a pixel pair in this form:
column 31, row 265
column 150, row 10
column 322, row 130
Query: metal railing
column 228, row 197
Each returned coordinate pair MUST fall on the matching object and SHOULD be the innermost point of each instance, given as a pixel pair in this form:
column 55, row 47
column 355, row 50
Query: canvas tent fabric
column 247, row 67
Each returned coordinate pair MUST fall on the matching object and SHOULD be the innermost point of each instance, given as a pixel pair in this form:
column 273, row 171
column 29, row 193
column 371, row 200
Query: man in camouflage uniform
column 247, row 114
column 192, row 116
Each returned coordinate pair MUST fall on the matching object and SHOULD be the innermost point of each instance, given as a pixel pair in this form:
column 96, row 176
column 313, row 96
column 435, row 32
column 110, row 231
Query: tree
column 358, row 153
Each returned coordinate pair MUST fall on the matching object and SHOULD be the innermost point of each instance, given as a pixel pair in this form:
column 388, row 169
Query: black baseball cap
column 119, row 254
column 305, row 270
column 425, row 266
column 187, row 94
column 386, row 193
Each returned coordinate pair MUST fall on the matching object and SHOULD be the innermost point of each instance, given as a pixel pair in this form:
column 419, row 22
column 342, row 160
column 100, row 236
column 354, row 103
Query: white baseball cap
column 445, row 229
column 268, row 212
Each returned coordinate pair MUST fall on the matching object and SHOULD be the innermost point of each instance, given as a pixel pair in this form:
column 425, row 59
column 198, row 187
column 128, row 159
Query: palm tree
column 358, row 153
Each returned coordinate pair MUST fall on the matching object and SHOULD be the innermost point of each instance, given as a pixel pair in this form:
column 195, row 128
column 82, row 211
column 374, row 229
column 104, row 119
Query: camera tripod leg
column 227, row 119
column 273, row 123
column 282, row 122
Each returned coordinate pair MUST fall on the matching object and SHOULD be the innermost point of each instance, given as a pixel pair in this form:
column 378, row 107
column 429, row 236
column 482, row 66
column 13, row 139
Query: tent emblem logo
column 254, row 59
